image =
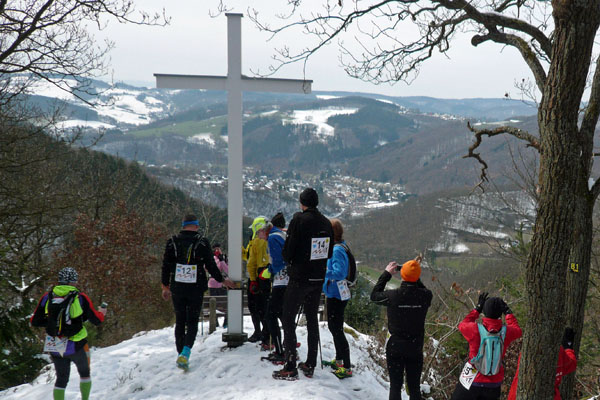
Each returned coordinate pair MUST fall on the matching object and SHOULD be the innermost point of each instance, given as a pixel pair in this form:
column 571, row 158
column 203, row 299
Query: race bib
column 186, row 273
column 281, row 278
column 55, row 344
column 319, row 248
column 344, row 291
column 467, row 376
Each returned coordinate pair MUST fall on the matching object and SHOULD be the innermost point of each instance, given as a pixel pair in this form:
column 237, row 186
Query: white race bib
column 281, row 278
column 468, row 374
column 344, row 291
column 55, row 344
column 186, row 273
column 319, row 248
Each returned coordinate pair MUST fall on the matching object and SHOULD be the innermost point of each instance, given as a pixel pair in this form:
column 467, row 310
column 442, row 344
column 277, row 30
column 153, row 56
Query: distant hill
column 417, row 142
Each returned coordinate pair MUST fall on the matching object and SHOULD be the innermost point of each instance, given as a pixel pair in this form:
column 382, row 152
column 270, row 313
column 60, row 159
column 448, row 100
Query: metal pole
column 235, row 335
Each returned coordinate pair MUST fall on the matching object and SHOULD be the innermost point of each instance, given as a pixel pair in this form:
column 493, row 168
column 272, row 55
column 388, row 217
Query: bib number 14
column 319, row 248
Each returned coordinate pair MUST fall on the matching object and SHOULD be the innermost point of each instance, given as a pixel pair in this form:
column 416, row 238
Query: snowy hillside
column 144, row 368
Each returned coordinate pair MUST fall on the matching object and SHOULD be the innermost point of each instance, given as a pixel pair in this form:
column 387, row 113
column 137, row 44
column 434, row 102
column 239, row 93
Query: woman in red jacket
column 473, row 384
column 567, row 363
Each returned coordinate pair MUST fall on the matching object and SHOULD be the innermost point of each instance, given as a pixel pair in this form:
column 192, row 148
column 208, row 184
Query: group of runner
column 288, row 269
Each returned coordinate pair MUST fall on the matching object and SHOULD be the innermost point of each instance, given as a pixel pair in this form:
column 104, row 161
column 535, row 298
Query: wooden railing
column 216, row 306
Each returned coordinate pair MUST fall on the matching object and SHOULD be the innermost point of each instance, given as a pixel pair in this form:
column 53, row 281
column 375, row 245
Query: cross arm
column 276, row 85
column 208, row 82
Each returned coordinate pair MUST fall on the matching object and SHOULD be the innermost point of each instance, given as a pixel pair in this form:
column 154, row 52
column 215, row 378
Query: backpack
column 58, row 313
column 352, row 275
column 183, row 252
column 489, row 357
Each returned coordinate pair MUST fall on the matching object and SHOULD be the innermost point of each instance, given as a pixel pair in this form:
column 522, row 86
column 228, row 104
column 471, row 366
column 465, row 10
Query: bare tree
column 555, row 39
column 49, row 40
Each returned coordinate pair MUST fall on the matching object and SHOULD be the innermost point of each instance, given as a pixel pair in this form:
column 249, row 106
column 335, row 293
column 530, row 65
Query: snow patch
column 326, row 97
column 144, row 368
column 319, row 118
column 202, row 138
column 373, row 204
column 79, row 123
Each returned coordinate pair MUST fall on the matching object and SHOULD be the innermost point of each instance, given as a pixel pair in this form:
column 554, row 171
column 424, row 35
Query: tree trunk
column 560, row 168
column 577, row 278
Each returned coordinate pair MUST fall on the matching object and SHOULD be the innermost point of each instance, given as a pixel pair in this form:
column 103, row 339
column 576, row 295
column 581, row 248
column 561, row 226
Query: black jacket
column 197, row 248
column 303, row 228
column 406, row 307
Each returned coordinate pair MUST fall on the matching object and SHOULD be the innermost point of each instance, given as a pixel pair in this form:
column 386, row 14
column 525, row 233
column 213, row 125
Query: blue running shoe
column 183, row 360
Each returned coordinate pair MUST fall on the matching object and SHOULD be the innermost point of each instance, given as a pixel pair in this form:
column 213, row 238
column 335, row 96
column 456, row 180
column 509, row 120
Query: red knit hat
column 411, row 271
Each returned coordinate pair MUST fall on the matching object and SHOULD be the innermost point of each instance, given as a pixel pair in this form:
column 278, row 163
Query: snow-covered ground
column 144, row 368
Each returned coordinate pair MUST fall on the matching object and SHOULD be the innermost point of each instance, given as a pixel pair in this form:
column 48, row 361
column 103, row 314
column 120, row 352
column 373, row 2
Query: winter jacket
column 258, row 258
column 84, row 309
column 277, row 266
column 406, row 307
column 304, row 227
column 189, row 248
column 224, row 268
column 468, row 328
column 337, row 270
column 567, row 363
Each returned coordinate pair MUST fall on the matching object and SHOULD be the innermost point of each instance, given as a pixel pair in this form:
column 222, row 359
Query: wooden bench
column 220, row 309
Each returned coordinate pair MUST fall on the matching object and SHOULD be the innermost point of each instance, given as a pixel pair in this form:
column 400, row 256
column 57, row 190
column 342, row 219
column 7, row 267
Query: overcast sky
column 195, row 43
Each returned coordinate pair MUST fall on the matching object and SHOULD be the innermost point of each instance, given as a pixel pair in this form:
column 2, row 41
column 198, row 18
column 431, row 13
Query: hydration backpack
column 352, row 275
column 489, row 357
column 58, row 313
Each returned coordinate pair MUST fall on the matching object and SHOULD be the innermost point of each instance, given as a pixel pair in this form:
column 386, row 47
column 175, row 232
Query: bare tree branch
column 389, row 57
column 494, row 20
column 511, row 130
column 49, row 39
column 526, row 52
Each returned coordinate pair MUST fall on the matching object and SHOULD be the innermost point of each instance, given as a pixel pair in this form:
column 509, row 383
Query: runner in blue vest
column 277, row 272
column 338, row 294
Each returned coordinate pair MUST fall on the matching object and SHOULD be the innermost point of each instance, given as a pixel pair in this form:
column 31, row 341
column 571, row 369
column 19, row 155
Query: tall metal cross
column 234, row 83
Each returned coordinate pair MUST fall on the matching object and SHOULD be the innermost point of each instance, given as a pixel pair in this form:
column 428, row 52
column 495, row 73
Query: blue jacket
column 275, row 243
column 337, row 270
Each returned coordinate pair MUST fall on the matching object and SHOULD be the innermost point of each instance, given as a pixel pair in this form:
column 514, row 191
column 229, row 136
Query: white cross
column 234, row 83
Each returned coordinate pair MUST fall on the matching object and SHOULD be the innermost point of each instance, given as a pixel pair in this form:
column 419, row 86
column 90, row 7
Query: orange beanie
column 411, row 271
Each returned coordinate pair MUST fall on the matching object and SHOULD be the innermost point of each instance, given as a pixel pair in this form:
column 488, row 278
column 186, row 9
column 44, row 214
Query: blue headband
column 194, row 222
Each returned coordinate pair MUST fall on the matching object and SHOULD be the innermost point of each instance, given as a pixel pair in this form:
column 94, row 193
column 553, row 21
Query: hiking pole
column 320, row 351
column 300, row 311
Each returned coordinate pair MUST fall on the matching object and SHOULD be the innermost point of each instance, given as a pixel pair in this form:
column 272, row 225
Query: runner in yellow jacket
column 258, row 289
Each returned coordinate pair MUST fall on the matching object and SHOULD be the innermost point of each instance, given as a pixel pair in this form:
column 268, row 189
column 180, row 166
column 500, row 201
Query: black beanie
column 493, row 307
column 309, row 197
column 278, row 220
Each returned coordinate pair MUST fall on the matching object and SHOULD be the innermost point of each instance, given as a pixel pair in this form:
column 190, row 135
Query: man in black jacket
column 184, row 279
column 308, row 245
column 406, row 310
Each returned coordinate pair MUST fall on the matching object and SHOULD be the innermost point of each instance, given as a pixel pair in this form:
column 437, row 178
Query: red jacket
column 468, row 328
column 567, row 363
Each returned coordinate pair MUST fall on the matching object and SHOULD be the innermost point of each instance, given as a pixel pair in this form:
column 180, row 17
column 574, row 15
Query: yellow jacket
column 257, row 257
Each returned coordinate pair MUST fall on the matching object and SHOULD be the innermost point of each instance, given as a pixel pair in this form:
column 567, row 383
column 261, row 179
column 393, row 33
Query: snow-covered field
column 318, row 117
column 144, row 368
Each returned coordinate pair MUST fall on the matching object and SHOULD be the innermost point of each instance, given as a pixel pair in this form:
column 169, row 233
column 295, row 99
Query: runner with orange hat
column 406, row 310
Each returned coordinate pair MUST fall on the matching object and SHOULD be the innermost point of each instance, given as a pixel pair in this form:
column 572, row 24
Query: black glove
column 505, row 308
column 481, row 301
column 253, row 287
column 568, row 338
